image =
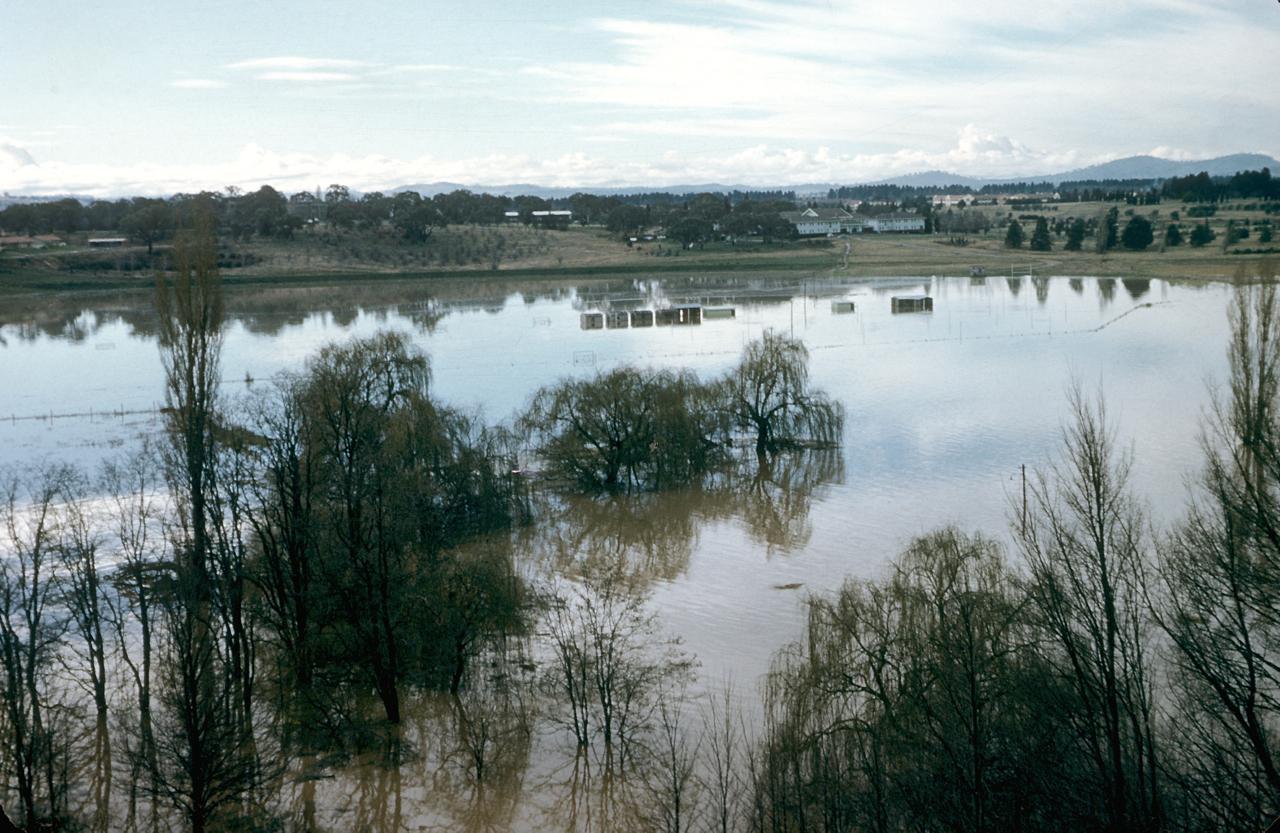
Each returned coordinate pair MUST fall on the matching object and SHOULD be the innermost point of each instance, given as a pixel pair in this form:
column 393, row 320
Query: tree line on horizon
column 267, row 212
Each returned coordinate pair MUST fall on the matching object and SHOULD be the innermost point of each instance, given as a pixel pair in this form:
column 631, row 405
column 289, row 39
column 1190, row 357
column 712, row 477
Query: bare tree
column 139, row 547
column 85, row 598
column 190, row 310
column 31, row 635
column 670, row 794
column 724, row 749
column 1220, row 576
column 610, row 661
column 1085, row 549
column 201, row 763
column 284, row 524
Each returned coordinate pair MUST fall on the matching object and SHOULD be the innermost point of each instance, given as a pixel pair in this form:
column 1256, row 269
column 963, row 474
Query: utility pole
column 1024, row 500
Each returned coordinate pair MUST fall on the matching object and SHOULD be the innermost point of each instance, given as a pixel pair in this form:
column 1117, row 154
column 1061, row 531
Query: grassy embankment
column 509, row 253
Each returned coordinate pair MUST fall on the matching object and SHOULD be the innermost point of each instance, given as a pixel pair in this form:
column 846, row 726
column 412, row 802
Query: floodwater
column 942, row 411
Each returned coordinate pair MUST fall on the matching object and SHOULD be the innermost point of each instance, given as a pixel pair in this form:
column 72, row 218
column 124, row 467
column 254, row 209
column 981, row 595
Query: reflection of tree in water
column 1015, row 286
column 774, row 502
column 1107, row 290
column 485, row 743
column 652, row 535
column 1042, row 290
column 1136, row 287
column 456, row 763
column 583, row 796
column 1077, row 285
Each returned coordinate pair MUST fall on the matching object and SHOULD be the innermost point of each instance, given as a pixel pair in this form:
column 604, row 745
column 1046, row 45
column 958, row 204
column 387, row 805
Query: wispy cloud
column 891, row 74
column 306, row 77
column 293, row 62
column 974, row 151
column 197, row 84
column 410, row 68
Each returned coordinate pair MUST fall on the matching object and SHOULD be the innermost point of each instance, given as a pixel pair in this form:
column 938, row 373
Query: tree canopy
column 1138, row 234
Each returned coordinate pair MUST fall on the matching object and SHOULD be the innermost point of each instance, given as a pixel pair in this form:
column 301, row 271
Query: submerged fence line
column 156, row 410
column 115, row 413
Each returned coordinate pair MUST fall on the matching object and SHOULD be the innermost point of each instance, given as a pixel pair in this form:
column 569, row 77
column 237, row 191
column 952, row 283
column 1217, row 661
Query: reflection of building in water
column 911, row 303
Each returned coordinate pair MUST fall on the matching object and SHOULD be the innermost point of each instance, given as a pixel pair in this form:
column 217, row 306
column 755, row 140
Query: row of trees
column 1204, row 188
column 268, row 213
column 1138, row 234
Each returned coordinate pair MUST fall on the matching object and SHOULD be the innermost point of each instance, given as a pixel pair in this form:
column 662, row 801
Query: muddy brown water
column 942, row 410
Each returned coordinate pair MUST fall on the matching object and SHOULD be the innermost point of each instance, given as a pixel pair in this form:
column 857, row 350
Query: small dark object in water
column 795, row 585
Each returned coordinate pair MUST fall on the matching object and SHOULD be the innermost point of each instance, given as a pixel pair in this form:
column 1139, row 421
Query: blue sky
column 136, row 97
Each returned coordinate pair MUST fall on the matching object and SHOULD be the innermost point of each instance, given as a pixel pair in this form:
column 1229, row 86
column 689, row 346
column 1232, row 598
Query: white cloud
column 197, row 84
column 911, row 73
column 424, row 68
column 306, row 77
column 1166, row 152
column 289, row 62
column 976, row 152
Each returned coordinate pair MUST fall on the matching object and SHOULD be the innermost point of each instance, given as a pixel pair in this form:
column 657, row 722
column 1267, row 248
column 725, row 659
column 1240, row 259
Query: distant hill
column 1153, row 167
column 551, row 192
column 1130, row 167
column 7, row 199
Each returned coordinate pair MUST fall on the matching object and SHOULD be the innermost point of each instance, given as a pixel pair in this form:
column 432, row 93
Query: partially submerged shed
column 911, row 303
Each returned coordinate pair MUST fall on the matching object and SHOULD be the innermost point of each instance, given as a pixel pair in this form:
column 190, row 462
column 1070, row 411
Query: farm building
column 678, row 316
column 898, row 221
column 812, row 222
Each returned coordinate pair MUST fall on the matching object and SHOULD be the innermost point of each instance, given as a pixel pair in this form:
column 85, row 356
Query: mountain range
column 1130, row 167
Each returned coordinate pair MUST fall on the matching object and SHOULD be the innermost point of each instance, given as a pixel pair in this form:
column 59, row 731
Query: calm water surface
column 942, row 410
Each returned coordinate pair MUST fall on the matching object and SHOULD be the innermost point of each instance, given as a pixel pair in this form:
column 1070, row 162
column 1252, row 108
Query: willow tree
column 768, row 394
column 628, row 429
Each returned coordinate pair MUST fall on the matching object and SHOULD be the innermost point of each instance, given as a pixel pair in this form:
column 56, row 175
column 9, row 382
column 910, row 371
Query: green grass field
column 512, row 253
